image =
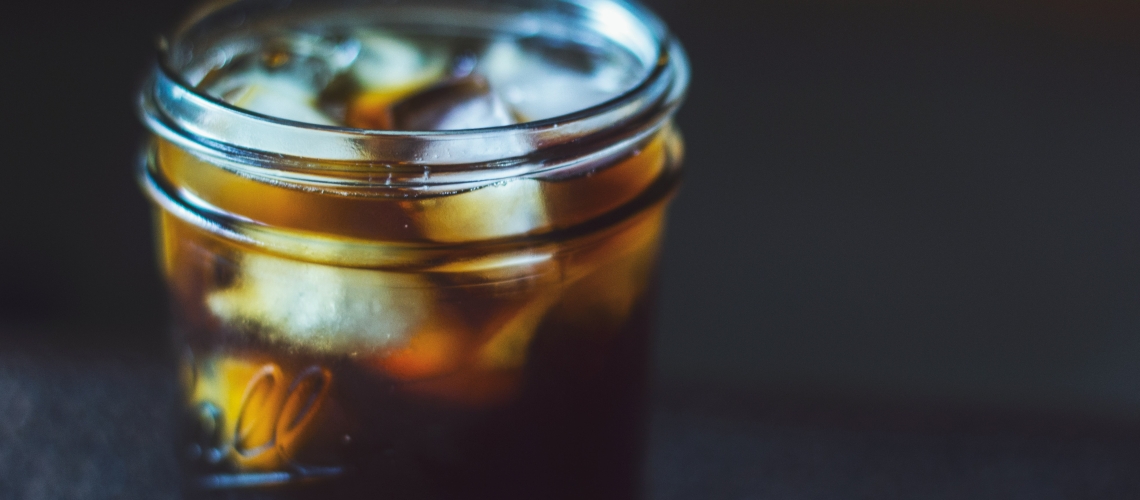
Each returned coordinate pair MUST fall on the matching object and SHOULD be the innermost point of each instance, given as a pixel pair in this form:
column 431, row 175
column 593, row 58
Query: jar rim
column 172, row 108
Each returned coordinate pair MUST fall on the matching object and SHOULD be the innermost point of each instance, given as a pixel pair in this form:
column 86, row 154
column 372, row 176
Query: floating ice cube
column 511, row 333
column 275, row 94
column 284, row 79
column 607, row 279
column 542, row 81
column 324, row 308
column 386, row 69
column 489, row 371
column 502, row 209
column 386, row 61
column 433, row 351
column 463, row 103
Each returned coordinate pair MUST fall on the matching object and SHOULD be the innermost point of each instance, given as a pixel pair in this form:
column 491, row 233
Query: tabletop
column 83, row 424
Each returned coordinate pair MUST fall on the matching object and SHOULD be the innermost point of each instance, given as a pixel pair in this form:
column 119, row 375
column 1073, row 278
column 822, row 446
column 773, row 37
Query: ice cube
column 477, row 366
column 279, row 95
column 464, row 103
column 386, row 69
column 541, row 81
column 511, row 333
column 497, row 210
column 387, row 61
column 609, row 294
column 436, row 349
column 324, row 308
column 605, row 280
column 490, row 373
column 283, row 79
column 576, row 200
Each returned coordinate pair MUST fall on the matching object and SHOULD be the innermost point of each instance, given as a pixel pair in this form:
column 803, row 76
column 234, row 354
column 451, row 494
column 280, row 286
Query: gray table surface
column 82, row 425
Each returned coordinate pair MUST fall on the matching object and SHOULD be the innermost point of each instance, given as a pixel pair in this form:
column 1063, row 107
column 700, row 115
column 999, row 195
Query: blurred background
column 905, row 261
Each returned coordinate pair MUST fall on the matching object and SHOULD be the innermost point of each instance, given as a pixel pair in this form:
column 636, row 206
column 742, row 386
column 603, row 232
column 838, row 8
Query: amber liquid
column 476, row 371
column 572, row 428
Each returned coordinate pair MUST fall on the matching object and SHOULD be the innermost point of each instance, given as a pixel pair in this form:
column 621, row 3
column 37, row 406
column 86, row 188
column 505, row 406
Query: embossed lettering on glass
column 411, row 246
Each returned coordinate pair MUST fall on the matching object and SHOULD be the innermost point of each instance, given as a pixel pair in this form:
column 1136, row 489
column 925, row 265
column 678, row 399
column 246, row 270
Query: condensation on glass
column 411, row 245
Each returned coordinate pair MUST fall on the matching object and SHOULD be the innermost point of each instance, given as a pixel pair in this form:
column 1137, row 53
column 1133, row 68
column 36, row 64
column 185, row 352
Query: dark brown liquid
column 466, row 377
column 573, row 429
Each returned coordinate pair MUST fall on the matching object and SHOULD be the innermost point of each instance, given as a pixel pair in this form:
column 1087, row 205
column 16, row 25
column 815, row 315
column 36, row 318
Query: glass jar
column 413, row 314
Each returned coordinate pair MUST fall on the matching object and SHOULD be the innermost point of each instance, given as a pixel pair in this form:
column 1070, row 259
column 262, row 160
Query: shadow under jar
column 456, row 310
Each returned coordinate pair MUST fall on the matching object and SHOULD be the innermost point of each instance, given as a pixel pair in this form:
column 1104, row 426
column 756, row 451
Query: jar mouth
column 176, row 110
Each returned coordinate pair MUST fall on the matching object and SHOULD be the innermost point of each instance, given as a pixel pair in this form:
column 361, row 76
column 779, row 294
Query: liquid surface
column 374, row 78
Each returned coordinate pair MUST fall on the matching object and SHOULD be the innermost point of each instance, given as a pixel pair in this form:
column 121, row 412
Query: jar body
column 506, row 369
column 459, row 314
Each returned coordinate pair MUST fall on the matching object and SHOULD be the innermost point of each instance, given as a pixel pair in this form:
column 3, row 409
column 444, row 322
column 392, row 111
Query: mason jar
column 411, row 245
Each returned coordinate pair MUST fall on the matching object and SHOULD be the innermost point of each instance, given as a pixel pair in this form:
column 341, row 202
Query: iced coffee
column 411, row 246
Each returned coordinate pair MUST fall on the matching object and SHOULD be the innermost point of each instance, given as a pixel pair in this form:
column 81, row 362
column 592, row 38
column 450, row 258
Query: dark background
column 896, row 216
